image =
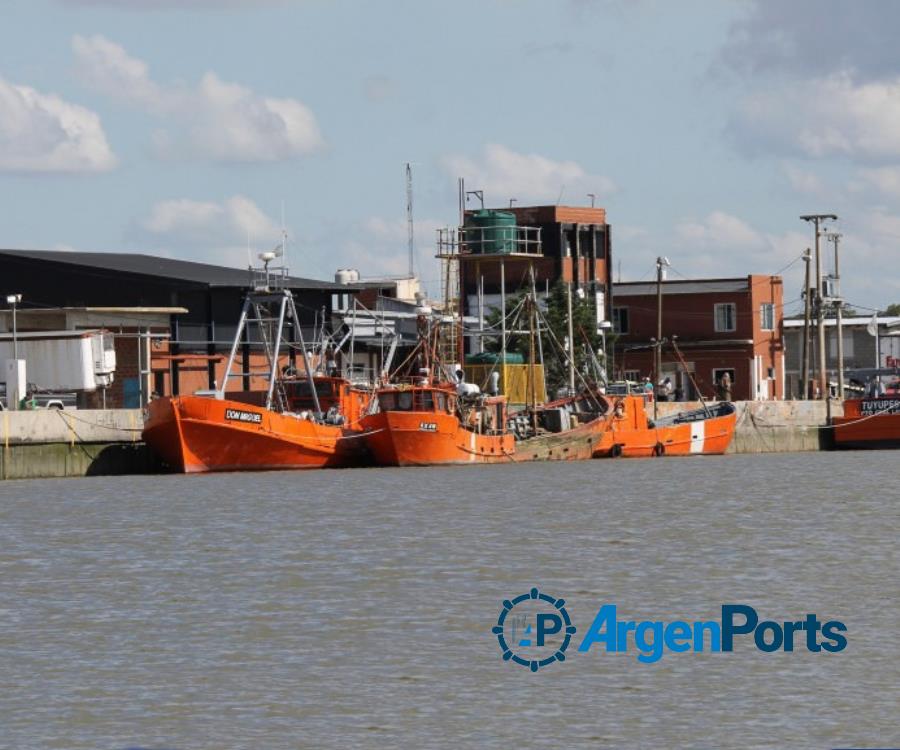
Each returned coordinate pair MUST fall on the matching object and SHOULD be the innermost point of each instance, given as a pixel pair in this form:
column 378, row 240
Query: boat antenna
column 409, row 219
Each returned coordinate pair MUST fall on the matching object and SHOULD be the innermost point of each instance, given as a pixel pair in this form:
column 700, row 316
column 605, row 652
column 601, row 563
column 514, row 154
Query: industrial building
column 862, row 349
column 173, row 320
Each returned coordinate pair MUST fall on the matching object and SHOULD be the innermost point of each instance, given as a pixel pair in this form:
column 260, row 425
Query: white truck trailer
column 62, row 361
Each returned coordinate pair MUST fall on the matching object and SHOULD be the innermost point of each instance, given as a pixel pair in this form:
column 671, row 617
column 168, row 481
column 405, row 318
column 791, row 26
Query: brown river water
column 353, row 609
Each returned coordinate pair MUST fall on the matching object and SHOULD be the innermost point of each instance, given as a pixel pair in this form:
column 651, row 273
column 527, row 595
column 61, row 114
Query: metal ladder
column 261, row 304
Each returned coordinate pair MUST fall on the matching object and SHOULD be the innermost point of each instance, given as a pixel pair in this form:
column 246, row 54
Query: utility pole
column 822, row 373
column 835, row 237
column 13, row 300
column 804, row 364
column 14, row 392
column 661, row 262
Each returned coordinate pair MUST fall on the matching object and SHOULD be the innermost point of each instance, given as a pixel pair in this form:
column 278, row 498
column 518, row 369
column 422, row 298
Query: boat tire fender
column 659, row 450
column 615, row 451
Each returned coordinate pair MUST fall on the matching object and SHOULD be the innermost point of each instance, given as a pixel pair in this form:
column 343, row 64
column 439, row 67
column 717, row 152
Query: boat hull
column 631, row 435
column 868, row 424
column 196, row 434
column 429, row 439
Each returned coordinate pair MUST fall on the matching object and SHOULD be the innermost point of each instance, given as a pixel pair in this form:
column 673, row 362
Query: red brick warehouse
column 729, row 325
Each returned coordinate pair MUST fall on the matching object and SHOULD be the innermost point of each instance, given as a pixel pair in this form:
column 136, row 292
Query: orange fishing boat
column 630, row 433
column 868, row 423
column 202, row 433
column 433, row 424
column 296, row 423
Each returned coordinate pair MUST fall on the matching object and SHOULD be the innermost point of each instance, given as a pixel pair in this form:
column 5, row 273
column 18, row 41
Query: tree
column 892, row 309
column 555, row 313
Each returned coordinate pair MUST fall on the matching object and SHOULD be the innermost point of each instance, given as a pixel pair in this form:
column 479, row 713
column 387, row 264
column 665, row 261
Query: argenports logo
column 538, row 645
column 534, row 630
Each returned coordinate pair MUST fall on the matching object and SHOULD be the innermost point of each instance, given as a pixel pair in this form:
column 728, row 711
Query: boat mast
column 276, row 348
column 571, row 334
column 309, row 373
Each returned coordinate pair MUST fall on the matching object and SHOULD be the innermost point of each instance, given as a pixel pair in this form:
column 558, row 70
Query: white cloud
column 803, row 180
column 211, row 231
column 831, row 116
column 381, row 247
column 215, row 119
column 43, row 133
column 719, row 245
column 720, row 230
column 886, row 180
column 503, row 174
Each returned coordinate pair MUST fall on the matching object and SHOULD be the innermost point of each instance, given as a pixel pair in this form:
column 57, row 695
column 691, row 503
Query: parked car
column 39, row 399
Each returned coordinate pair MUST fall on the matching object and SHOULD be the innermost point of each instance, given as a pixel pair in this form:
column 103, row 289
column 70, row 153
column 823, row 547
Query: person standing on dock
column 723, row 388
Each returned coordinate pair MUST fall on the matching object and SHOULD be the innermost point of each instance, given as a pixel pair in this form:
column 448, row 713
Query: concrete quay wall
column 71, row 426
column 772, row 426
column 73, row 443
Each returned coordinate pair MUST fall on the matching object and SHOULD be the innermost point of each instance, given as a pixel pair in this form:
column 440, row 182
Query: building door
column 131, row 388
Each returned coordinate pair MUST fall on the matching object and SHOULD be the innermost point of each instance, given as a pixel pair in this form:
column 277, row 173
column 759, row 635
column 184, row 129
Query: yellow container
column 515, row 381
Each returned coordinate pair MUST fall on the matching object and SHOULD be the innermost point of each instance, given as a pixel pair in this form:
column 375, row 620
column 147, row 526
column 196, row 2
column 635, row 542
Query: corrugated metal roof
column 169, row 268
column 700, row 286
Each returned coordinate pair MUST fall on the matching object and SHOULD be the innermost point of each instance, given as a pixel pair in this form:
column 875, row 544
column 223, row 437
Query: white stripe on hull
column 698, row 436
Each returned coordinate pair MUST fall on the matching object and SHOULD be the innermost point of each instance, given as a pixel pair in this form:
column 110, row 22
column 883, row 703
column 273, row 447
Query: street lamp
column 12, row 300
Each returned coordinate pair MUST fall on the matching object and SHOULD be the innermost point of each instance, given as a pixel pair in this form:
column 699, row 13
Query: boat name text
column 243, row 416
column 881, row 406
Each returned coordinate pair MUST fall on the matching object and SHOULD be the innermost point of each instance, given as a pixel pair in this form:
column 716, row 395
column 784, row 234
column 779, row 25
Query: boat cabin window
column 300, row 388
column 411, row 401
column 424, row 401
column 387, row 401
column 299, row 393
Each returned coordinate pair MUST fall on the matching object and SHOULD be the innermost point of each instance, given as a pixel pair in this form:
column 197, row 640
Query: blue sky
column 705, row 128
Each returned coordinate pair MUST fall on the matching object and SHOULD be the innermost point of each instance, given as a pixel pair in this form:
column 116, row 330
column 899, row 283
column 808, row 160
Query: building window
column 620, row 319
column 848, row 344
column 633, row 375
column 767, row 316
column 725, row 317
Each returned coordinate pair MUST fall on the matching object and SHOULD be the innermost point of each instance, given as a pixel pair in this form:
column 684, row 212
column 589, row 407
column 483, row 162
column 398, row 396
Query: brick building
column 720, row 325
column 562, row 243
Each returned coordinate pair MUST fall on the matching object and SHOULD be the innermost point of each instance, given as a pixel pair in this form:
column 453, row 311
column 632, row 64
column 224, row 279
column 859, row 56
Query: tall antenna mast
column 409, row 218
column 283, row 238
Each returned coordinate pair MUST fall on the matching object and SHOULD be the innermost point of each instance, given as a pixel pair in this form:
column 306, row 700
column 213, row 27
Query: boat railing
column 269, row 278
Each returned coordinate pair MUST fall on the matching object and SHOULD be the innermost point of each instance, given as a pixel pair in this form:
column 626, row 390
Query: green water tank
column 489, row 232
column 490, row 358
